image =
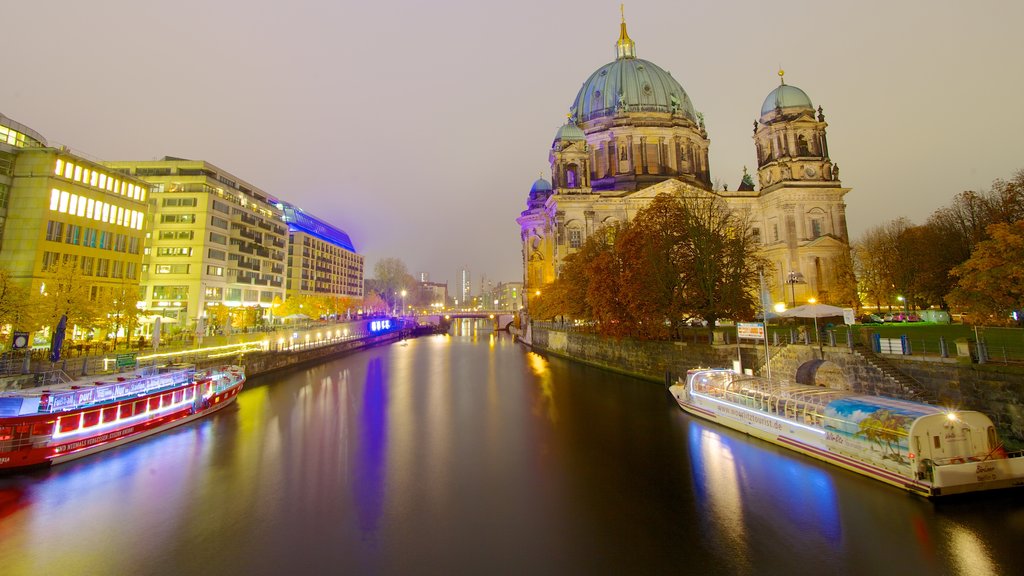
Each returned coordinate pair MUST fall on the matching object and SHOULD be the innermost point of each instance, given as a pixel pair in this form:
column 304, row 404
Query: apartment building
column 321, row 258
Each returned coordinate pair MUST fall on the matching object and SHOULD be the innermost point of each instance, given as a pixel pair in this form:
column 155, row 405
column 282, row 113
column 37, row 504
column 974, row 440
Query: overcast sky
column 419, row 126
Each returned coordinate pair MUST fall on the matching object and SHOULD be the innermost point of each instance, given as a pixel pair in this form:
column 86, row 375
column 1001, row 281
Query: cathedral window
column 775, row 232
column 815, row 227
column 575, row 238
column 570, row 177
column 801, row 146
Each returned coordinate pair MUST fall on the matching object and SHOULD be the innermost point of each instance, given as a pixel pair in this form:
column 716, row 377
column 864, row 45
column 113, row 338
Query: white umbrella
column 813, row 311
column 295, row 317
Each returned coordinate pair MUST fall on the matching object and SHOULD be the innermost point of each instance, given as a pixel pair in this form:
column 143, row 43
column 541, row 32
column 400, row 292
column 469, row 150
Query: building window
column 575, row 238
column 171, row 268
column 102, row 267
column 219, row 222
column 775, row 232
column 175, row 235
column 177, row 218
column 218, row 238
column 755, row 235
column 170, row 292
column 178, row 202
column 131, row 271
column 815, row 228
column 54, row 231
column 215, row 270
column 50, row 259
column 74, row 234
column 173, row 251
column 87, row 265
column 217, row 254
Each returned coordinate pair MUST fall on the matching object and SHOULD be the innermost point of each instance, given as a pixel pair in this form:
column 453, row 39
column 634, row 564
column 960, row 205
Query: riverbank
column 997, row 391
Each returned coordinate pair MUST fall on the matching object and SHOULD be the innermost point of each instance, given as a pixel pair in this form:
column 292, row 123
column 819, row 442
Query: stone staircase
column 910, row 388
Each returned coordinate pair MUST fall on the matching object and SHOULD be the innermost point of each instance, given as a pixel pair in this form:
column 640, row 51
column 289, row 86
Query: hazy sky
column 418, row 127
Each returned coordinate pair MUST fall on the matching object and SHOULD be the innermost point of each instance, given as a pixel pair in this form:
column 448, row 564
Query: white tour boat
column 922, row 448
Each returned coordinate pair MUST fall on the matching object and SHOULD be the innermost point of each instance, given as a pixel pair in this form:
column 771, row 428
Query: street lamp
column 794, row 278
column 904, row 301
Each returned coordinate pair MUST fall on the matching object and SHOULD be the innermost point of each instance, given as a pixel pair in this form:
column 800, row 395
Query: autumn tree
column 391, row 277
column 117, row 306
column 15, row 310
column 991, row 283
column 721, row 261
column 66, row 290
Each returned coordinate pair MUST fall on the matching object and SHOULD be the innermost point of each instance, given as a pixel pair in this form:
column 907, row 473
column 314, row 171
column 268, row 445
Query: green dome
column 540, row 185
column 788, row 98
column 643, row 86
column 570, row 132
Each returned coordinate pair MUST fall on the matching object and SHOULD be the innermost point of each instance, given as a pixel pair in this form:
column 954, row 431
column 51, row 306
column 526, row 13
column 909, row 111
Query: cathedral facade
column 633, row 134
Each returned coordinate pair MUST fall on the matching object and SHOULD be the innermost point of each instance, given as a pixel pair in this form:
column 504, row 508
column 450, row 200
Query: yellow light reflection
column 725, row 499
column 969, row 552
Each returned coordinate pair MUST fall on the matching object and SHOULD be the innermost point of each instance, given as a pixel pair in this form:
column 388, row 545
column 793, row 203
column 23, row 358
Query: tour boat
column 922, row 448
column 53, row 424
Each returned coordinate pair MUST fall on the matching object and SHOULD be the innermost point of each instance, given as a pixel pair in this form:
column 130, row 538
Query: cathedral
column 633, row 134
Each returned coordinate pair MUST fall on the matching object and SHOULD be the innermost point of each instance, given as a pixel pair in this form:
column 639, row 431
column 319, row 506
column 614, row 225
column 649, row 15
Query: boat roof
column 68, row 384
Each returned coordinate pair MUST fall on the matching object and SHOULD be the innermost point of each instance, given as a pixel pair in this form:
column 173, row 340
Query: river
column 468, row 454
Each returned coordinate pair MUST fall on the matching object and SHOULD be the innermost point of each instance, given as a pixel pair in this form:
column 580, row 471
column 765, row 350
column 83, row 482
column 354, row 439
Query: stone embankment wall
column 260, row 363
column 650, row 360
column 996, row 391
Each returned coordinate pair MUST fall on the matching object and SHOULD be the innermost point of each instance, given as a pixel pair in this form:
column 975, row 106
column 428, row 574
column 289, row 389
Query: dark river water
column 468, row 454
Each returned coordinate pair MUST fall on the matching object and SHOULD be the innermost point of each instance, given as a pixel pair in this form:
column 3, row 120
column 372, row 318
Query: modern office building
column 634, row 133
column 509, row 295
column 322, row 260
column 57, row 207
column 435, row 294
column 216, row 239
column 465, row 288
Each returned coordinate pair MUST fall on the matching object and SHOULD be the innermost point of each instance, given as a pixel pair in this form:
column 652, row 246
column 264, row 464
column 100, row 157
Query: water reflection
column 369, row 479
column 546, row 401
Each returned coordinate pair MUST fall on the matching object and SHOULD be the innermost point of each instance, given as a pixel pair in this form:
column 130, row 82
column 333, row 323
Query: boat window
column 91, row 418
column 126, row 410
column 42, row 428
column 190, row 393
column 69, row 423
column 178, row 394
column 154, row 403
column 110, row 414
column 140, row 407
column 165, row 400
column 6, row 433
column 21, row 429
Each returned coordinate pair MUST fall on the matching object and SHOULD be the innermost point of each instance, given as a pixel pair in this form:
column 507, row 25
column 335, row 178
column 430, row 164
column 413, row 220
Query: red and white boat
column 57, row 423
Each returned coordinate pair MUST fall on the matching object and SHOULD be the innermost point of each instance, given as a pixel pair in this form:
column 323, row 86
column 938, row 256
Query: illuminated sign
column 379, row 325
column 754, row 331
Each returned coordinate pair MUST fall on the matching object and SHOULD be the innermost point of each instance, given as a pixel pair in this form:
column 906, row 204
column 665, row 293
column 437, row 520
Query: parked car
column 870, row 319
column 905, row 317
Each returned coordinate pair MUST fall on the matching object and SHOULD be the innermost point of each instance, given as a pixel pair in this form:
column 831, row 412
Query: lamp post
column 905, row 312
column 403, row 303
column 794, row 278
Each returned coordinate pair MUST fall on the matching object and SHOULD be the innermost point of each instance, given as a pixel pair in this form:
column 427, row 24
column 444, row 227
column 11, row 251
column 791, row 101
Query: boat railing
column 54, row 377
column 102, row 392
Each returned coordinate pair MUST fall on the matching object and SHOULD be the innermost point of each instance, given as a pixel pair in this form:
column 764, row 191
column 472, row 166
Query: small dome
column 541, row 185
column 786, row 97
column 570, row 132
